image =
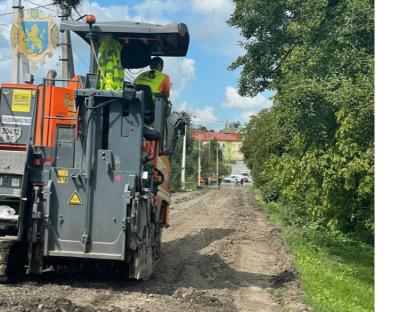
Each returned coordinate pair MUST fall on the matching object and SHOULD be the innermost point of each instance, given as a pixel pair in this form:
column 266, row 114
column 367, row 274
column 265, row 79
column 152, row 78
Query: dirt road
column 219, row 254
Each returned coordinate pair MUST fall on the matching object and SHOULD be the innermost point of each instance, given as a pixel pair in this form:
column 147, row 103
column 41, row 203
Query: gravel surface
column 219, row 254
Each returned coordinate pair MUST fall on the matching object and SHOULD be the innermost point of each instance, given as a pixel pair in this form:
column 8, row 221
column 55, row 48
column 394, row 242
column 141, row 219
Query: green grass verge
column 337, row 271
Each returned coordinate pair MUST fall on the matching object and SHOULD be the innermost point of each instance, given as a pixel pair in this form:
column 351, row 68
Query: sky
column 201, row 83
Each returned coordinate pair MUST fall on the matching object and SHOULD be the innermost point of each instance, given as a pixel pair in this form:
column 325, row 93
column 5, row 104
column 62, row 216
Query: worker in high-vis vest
column 155, row 78
column 111, row 74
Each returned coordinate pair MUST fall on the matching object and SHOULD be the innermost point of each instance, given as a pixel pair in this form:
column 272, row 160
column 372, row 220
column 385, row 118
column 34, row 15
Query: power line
column 39, row 6
column 5, row 31
column 196, row 119
column 77, row 12
column 27, row 9
column 81, row 59
column 6, row 59
column 208, row 120
column 45, row 6
column 3, row 14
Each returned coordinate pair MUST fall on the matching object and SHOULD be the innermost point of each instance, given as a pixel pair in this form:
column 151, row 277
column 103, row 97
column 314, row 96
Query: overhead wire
column 39, row 6
column 199, row 120
column 209, row 121
column 82, row 60
column 3, row 14
column 8, row 58
column 3, row 30
column 27, row 9
column 77, row 12
column 203, row 119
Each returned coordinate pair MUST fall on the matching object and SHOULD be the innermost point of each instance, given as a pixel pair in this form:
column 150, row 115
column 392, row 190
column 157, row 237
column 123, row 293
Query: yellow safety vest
column 152, row 78
column 111, row 74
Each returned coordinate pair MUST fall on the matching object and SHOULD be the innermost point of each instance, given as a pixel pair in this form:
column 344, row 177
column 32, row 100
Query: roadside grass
column 337, row 271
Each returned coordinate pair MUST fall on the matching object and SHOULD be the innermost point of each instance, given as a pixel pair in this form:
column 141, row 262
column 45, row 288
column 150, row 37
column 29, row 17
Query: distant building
column 230, row 143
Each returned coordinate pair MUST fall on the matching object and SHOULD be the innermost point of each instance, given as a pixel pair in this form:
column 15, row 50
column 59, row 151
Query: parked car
column 234, row 178
column 246, row 176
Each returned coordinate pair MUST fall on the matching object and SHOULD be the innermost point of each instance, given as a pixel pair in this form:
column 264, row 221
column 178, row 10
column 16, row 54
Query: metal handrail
column 59, row 118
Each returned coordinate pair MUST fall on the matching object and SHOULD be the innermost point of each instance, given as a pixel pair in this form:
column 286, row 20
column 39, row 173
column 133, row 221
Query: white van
column 246, row 175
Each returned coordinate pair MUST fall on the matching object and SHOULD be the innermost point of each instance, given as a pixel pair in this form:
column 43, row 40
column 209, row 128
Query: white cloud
column 104, row 13
column 245, row 116
column 156, row 9
column 181, row 72
column 182, row 107
column 234, row 100
column 204, row 116
column 209, row 27
column 213, row 6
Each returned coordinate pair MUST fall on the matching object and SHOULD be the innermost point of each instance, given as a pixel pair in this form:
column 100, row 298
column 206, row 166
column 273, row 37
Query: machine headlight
column 15, row 182
column 10, row 180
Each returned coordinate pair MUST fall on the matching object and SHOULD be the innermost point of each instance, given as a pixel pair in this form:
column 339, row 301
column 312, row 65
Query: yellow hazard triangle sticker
column 74, row 199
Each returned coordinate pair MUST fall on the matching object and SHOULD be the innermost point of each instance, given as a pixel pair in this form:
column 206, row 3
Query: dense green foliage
column 337, row 272
column 313, row 150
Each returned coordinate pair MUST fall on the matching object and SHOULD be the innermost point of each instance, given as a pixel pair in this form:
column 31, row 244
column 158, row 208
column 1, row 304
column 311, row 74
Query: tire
column 12, row 260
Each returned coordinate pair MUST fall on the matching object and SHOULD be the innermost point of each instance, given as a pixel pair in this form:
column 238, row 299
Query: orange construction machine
column 85, row 169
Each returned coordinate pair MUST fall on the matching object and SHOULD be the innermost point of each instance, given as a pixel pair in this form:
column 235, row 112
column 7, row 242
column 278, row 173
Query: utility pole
column 199, row 165
column 183, row 172
column 17, row 58
column 67, row 58
column 217, row 160
column 209, row 158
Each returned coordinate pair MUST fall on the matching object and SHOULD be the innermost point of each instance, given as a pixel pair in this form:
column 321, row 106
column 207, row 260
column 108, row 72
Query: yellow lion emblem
column 33, row 37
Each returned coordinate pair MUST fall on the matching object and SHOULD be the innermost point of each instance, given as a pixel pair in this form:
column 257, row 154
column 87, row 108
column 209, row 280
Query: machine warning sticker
column 62, row 172
column 21, row 101
column 62, row 176
column 15, row 120
column 62, row 180
column 74, row 199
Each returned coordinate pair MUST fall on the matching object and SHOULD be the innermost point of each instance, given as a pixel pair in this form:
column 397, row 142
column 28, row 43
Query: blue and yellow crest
column 35, row 36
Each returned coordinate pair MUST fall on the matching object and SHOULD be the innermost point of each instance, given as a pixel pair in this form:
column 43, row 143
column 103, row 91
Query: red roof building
column 230, row 143
column 219, row 136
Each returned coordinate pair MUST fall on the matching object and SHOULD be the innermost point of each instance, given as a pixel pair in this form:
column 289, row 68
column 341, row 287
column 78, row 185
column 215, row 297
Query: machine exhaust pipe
column 51, row 75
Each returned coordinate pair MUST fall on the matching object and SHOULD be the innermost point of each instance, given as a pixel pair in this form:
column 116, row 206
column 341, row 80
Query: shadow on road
column 183, row 264
column 193, row 268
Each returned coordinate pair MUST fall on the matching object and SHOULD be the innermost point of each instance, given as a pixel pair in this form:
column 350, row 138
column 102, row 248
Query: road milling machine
column 85, row 170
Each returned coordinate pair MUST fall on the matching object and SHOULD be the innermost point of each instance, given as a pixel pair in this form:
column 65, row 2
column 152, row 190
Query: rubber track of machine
column 5, row 259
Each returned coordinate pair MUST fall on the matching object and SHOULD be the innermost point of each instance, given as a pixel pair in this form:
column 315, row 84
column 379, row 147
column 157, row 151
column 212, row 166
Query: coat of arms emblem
column 34, row 36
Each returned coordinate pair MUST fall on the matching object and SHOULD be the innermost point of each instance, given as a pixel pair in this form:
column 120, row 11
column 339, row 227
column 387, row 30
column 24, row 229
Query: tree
column 314, row 150
column 176, row 160
column 209, row 159
column 233, row 125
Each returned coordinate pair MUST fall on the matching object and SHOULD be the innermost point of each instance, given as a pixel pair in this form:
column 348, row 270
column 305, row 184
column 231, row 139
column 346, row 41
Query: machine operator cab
column 135, row 43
